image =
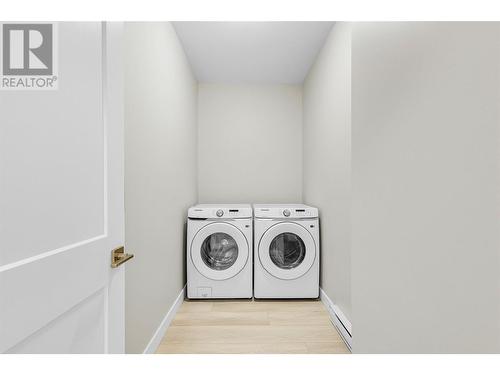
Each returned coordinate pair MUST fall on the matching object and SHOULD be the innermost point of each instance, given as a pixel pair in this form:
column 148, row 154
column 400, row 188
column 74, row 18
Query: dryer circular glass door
column 287, row 250
column 219, row 251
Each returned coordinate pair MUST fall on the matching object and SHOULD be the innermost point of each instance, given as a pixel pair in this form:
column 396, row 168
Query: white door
column 61, row 202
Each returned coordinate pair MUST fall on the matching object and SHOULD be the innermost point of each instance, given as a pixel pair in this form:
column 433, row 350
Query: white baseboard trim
column 338, row 319
column 165, row 323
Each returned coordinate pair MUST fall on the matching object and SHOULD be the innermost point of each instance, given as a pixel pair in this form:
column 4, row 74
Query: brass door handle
column 118, row 257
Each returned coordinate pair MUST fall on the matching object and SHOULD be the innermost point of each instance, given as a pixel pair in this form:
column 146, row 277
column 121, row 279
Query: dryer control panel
column 277, row 211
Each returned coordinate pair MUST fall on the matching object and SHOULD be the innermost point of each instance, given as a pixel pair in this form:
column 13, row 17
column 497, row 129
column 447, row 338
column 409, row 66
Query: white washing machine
column 219, row 251
column 286, row 251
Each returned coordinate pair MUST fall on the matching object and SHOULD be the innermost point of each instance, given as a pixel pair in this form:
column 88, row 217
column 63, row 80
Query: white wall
column 327, row 153
column 160, row 173
column 250, row 143
column 425, row 175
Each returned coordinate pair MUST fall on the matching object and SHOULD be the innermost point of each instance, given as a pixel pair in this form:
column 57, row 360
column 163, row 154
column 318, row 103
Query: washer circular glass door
column 219, row 251
column 287, row 250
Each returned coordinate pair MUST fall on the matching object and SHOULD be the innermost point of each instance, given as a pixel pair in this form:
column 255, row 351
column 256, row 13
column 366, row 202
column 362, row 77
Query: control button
column 219, row 213
column 286, row 213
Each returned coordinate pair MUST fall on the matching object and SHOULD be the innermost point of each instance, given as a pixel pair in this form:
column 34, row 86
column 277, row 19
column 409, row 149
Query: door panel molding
column 49, row 253
column 37, row 293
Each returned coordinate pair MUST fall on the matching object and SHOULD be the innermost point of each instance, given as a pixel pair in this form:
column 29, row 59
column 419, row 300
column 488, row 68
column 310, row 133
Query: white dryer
column 286, row 251
column 219, row 251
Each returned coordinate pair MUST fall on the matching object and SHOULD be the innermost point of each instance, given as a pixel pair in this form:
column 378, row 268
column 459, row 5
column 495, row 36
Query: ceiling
column 252, row 52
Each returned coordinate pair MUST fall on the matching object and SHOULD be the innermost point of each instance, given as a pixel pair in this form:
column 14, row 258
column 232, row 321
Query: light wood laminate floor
column 232, row 327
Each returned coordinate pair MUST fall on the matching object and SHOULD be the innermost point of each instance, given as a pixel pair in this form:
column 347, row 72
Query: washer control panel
column 215, row 211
